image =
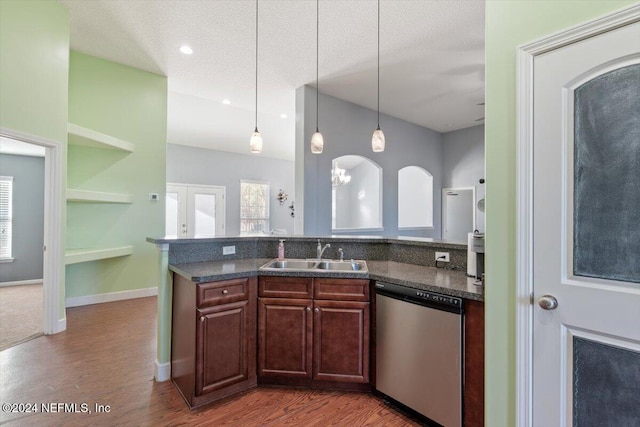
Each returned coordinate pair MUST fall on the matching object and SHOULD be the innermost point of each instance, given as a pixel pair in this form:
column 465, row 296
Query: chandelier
column 339, row 176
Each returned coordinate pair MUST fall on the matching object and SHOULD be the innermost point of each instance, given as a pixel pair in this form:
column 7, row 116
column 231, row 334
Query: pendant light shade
column 255, row 143
column 317, row 141
column 377, row 140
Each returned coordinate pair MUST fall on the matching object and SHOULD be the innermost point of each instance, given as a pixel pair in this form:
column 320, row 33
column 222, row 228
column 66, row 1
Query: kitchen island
column 228, row 271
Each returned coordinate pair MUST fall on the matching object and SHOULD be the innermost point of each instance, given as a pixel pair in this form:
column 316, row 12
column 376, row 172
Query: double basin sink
column 358, row 266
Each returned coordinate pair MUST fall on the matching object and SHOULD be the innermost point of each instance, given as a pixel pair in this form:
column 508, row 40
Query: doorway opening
column 458, row 213
column 32, row 251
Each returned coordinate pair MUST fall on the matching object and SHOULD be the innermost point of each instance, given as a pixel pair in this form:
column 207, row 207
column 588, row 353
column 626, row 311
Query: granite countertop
column 454, row 283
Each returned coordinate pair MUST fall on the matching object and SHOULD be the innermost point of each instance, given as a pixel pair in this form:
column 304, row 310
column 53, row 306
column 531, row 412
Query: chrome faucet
column 320, row 249
column 341, row 253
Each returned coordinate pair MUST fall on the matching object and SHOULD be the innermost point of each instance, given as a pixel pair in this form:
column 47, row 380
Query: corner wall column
column 165, row 293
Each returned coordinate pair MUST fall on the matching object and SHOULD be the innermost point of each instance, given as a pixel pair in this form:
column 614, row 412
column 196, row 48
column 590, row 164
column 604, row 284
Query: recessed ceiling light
column 450, row 125
column 226, row 101
column 186, row 50
column 283, row 116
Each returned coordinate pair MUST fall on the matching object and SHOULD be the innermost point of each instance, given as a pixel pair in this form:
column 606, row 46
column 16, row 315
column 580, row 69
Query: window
column 6, row 211
column 254, row 207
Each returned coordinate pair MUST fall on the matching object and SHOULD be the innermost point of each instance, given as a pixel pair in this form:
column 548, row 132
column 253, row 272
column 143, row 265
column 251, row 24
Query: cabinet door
column 225, row 346
column 284, row 337
column 341, row 341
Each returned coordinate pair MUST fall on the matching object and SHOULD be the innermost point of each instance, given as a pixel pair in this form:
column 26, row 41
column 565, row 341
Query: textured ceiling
column 431, row 59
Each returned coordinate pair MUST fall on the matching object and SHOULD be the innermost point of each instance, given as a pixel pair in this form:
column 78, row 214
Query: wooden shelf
column 79, row 135
column 74, row 256
column 85, row 196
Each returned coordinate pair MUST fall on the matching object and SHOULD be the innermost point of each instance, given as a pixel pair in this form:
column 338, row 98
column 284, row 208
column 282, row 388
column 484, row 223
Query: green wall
column 34, row 71
column 508, row 25
column 34, row 67
column 131, row 105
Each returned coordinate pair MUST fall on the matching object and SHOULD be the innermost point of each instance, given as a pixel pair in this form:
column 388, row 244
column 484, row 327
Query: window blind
column 6, row 211
column 254, row 207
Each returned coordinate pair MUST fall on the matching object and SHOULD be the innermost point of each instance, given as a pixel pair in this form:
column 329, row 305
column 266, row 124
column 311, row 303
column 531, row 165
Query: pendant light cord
column 256, row 66
column 378, row 64
column 317, row 57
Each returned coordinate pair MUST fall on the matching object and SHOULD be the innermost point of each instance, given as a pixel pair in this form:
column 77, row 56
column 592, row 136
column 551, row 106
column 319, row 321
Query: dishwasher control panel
column 430, row 296
column 426, row 298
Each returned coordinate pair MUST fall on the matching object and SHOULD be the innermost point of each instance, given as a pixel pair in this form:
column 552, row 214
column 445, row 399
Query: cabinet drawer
column 341, row 289
column 285, row 287
column 223, row 292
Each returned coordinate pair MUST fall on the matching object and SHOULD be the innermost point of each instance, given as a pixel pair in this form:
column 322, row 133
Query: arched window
column 415, row 198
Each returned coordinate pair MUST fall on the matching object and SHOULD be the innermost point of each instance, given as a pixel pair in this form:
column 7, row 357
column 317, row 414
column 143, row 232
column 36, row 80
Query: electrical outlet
column 228, row 250
column 442, row 254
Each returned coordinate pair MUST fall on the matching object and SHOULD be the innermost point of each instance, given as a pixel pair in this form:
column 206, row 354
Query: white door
column 586, row 232
column 176, row 207
column 195, row 211
column 458, row 218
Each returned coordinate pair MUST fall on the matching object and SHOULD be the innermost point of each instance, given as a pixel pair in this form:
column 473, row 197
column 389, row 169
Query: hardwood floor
column 106, row 357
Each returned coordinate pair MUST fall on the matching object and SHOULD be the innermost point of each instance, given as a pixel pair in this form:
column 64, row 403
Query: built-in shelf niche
column 75, row 256
column 86, row 196
column 79, row 135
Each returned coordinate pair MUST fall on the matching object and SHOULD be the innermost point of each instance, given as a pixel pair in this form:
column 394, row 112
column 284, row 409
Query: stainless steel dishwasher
column 419, row 351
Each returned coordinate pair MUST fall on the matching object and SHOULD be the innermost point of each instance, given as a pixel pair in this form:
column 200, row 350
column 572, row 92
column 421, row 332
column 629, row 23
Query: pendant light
column 377, row 140
column 317, row 141
column 255, row 144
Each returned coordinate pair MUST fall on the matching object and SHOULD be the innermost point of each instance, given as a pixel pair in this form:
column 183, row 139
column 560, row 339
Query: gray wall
column 28, row 217
column 190, row 165
column 347, row 129
column 464, row 163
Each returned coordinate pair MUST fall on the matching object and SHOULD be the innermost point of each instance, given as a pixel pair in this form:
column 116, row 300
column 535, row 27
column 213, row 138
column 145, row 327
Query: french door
column 195, row 210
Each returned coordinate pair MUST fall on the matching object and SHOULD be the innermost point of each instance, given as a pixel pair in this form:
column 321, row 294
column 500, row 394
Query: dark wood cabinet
column 213, row 352
column 341, row 341
column 320, row 338
column 473, row 364
column 285, row 328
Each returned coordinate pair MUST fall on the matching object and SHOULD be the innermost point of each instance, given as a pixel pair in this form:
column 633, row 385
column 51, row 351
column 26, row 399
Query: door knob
column 548, row 302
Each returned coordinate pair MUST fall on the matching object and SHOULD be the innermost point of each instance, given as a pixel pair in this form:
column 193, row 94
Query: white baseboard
column 21, row 282
column 163, row 371
column 110, row 297
column 62, row 325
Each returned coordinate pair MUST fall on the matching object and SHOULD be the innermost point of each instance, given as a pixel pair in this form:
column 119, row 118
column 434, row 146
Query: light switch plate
column 442, row 254
column 228, row 250
column 154, row 196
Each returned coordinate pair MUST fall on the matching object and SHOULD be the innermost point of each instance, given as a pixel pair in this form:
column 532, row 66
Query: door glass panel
column 606, row 384
column 171, row 218
column 606, row 216
column 205, row 215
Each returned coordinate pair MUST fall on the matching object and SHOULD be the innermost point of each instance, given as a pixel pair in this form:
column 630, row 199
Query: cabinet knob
column 317, row 310
column 224, row 292
column 202, row 319
column 308, row 308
